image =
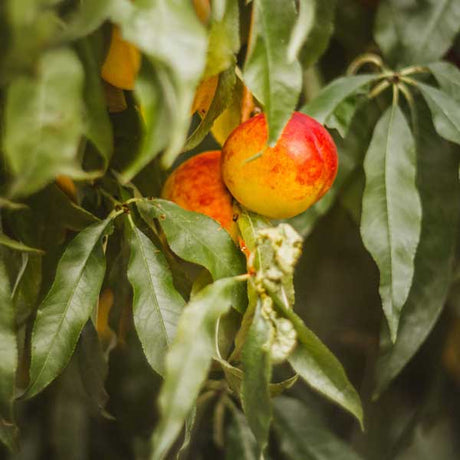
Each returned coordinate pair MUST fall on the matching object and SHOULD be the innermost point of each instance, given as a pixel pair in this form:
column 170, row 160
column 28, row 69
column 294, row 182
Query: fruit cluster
column 277, row 182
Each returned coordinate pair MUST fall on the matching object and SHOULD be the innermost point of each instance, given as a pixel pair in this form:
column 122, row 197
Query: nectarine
column 284, row 180
column 122, row 62
column 196, row 185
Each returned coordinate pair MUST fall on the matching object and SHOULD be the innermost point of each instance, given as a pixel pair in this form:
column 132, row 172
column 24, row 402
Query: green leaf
column 255, row 394
column 87, row 18
column 27, row 287
column 448, row 77
column 8, row 360
column 97, row 125
column 445, row 112
column 182, row 54
column 222, row 99
column 224, row 37
column 333, row 96
column 313, row 30
column 188, row 360
column 199, row 239
column 416, row 32
column 67, row 306
column 156, row 97
column 240, row 442
column 269, row 74
column 50, row 212
column 29, row 27
column 156, row 303
column 50, row 106
column 343, row 115
column 316, row 364
column 302, row 27
column 439, row 191
column 17, row 245
column 391, row 211
column 303, row 435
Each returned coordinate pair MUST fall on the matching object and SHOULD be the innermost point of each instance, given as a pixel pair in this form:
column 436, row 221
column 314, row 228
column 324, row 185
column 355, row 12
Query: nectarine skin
column 284, row 180
column 197, row 185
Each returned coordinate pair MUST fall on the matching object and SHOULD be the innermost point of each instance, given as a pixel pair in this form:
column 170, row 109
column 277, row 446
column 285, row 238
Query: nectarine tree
column 229, row 229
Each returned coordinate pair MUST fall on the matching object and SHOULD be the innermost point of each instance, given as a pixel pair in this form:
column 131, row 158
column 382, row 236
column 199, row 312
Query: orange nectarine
column 122, row 62
column 284, row 180
column 196, row 185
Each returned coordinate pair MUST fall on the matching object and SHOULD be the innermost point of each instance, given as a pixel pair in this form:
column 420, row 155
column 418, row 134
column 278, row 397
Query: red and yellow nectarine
column 196, row 185
column 284, row 180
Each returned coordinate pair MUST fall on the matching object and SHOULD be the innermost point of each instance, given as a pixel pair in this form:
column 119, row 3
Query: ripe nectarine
column 122, row 62
column 196, row 185
column 284, row 180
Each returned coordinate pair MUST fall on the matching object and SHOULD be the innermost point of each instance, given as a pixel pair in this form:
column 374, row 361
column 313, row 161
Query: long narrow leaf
column 67, row 306
column 391, row 214
column 156, row 303
column 448, row 77
column 5, row 240
column 188, row 361
column 439, row 191
column 323, row 106
column 269, row 74
column 445, row 112
column 255, row 393
column 318, row 367
column 312, row 31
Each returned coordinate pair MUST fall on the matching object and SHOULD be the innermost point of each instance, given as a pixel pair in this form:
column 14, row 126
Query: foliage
column 132, row 328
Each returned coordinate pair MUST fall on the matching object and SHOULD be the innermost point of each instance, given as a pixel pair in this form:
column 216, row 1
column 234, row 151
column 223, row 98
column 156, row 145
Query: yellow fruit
column 122, row 62
column 202, row 9
column 282, row 181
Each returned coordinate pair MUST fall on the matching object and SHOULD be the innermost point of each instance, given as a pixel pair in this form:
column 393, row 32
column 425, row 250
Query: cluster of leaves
column 85, row 269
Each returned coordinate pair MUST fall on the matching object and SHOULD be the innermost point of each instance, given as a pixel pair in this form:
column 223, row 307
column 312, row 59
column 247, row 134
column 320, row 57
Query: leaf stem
column 411, row 103
column 115, row 213
column 395, row 95
column 363, row 59
column 382, row 86
column 414, row 69
column 409, row 80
